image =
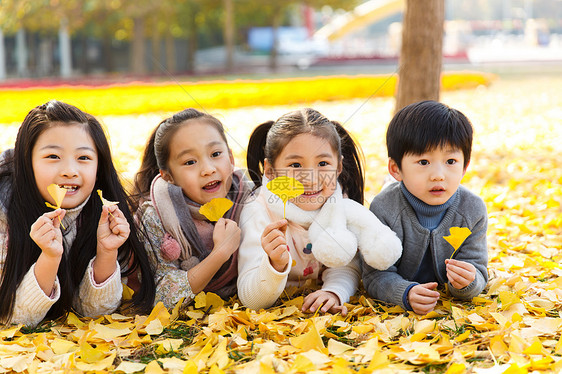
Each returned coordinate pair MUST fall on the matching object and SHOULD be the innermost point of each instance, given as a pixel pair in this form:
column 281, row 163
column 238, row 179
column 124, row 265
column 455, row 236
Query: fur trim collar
column 339, row 228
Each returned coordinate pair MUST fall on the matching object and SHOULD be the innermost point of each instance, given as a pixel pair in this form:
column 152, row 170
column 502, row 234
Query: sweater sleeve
column 99, row 299
column 343, row 280
column 171, row 280
column 31, row 304
column 474, row 250
column 385, row 285
column 259, row 284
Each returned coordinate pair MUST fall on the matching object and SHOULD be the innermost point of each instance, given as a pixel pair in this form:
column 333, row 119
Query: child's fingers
column 423, row 295
column 115, row 212
column 460, row 280
column 272, row 235
column 277, row 225
column 279, row 254
column 460, row 272
column 231, row 226
column 461, row 264
column 422, row 299
column 121, row 227
column 328, row 305
column 310, row 300
column 41, row 221
column 42, row 230
column 277, row 242
column 55, row 214
column 104, row 215
column 461, row 275
column 430, row 285
column 423, row 309
column 43, row 235
column 283, row 228
column 342, row 309
column 272, row 241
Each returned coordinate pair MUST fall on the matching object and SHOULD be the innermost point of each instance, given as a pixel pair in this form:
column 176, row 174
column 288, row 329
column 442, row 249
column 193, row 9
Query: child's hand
column 113, row 230
column 325, row 300
column 423, row 297
column 226, row 237
column 460, row 273
column 274, row 244
column 45, row 232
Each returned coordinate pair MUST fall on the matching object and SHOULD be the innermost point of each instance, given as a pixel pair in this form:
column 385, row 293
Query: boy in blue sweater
column 429, row 146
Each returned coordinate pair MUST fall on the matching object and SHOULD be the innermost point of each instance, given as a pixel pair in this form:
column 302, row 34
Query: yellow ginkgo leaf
column 457, row 237
column 127, row 292
column 216, row 208
column 286, row 188
column 57, row 193
column 309, row 340
column 106, row 202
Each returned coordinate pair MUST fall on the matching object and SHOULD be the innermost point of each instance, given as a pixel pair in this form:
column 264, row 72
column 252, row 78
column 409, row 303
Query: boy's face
column 433, row 176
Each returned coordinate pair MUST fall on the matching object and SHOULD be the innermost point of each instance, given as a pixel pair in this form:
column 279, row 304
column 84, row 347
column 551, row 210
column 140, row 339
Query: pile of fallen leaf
column 514, row 326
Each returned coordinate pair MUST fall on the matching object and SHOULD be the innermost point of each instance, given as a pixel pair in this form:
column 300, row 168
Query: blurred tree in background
column 41, row 38
column 151, row 35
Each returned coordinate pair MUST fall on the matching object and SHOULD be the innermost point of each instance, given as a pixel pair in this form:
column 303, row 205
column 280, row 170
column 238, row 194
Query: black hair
column 157, row 150
column 423, row 126
column 269, row 139
column 25, row 205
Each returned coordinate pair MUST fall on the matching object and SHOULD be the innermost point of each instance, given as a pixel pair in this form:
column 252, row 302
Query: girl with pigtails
column 317, row 234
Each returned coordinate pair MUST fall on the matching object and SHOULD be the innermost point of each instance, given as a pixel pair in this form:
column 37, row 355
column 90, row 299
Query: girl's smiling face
column 312, row 161
column 200, row 162
column 65, row 154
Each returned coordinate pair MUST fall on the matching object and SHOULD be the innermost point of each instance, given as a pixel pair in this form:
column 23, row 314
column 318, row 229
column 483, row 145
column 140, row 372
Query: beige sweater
column 32, row 304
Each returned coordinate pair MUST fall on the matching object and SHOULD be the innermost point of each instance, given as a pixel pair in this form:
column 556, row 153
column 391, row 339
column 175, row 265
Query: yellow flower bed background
column 514, row 326
column 136, row 98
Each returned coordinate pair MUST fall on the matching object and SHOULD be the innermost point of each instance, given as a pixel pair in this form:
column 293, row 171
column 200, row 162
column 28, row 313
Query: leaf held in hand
column 106, row 202
column 216, row 208
column 57, row 193
column 457, row 237
column 286, row 188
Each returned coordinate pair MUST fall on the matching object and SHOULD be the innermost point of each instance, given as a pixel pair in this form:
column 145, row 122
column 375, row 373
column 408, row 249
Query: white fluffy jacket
column 335, row 232
column 343, row 225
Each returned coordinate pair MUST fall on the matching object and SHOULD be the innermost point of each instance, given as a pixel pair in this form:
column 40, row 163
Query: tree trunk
column 229, row 34
column 107, row 53
column 192, row 42
column 138, row 63
column 45, row 64
column 421, row 52
column 2, row 57
column 170, row 54
column 275, row 24
column 65, row 50
column 21, row 54
column 84, row 62
column 157, row 65
column 31, row 45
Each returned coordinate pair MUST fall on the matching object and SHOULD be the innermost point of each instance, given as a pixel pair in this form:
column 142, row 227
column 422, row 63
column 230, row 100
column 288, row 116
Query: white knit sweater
column 32, row 304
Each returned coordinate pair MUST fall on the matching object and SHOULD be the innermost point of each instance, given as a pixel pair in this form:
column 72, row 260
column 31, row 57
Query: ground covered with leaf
column 514, row 326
